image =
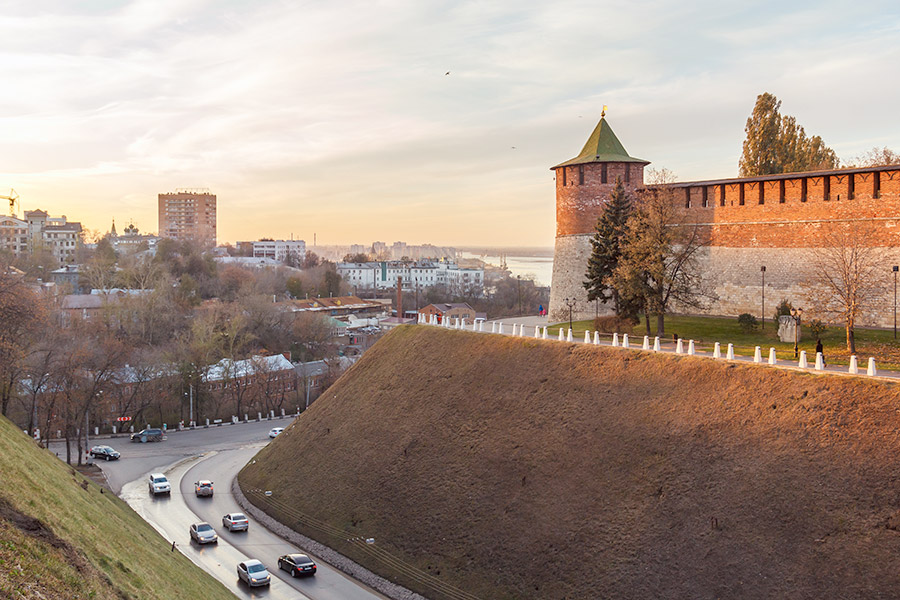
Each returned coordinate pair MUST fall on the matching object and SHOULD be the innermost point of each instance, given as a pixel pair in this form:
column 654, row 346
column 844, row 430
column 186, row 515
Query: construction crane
column 13, row 201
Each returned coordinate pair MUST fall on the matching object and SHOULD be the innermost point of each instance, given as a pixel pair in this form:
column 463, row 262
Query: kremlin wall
column 773, row 221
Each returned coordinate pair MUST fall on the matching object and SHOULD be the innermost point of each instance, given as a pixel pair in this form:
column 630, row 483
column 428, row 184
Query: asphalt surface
column 217, row 453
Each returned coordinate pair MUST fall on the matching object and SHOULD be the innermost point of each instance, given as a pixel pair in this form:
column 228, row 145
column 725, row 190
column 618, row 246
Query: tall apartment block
column 188, row 214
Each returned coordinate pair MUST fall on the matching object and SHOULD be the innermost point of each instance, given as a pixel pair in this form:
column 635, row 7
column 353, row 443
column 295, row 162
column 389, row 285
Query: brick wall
column 581, row 193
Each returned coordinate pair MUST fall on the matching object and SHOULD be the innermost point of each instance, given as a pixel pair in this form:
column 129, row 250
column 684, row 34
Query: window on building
column 580, row 174
column 563, row 175
column 741, row 198
column 603, row 172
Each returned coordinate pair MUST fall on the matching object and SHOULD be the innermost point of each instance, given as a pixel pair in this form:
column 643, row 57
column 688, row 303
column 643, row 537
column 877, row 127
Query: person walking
column 819, row 350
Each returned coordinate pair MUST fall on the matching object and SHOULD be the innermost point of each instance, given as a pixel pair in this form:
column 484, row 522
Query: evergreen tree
column 777, row 144
column 607, row 248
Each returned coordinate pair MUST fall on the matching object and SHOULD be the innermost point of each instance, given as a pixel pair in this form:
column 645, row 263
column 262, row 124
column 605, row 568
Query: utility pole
column 763, row 271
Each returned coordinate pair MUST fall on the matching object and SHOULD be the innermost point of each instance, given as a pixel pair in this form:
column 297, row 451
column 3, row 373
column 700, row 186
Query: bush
column 613, row 324
column 782, row 309
column 817, row 327
column 747, row 322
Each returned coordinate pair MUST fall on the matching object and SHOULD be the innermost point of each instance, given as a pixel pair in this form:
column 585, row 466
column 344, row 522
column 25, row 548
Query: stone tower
column 583, row 186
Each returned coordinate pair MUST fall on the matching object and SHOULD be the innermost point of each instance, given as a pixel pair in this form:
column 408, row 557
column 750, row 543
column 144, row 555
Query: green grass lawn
column 705, row 331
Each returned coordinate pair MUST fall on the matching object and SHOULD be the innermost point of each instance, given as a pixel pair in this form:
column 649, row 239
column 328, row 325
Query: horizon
column 426, row 124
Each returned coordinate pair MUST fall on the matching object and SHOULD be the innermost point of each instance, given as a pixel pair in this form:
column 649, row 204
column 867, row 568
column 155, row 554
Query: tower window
column 804, row 185
column 876, row 184
column 721, row 195
column 851, row 187
column 627, row 173
column 826, row 187
column 781, row 194
column 687, row 197
column 580, row 174
column 741, row 198
column 603, row 173
column 762, row 192
column 563, row 176
column 705, row 198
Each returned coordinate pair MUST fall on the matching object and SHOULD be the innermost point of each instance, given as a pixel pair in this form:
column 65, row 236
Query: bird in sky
column 447, row 73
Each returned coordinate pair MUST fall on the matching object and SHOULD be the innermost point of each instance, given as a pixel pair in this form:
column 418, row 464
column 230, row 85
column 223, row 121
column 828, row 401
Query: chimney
column 399, row 297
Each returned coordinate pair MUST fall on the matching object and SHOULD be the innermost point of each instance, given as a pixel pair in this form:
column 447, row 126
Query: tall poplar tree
column 777, row 144
column 606, row 249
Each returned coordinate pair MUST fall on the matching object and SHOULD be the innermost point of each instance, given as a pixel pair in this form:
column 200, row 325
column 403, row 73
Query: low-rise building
column 286, row 251
column 414, row 274
column 454, row 310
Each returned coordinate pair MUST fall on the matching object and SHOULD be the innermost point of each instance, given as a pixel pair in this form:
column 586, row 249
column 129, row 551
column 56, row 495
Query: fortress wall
column 579, row 205
column 569, row 267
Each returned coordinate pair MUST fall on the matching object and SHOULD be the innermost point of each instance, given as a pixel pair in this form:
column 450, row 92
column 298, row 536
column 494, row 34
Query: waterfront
column 539, row 267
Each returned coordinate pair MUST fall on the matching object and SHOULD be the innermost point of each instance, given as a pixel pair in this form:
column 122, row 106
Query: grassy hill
column 61, row 538
column 521, row 468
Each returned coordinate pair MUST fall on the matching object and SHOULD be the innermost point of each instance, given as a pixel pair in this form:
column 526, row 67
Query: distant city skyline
column 418, row 122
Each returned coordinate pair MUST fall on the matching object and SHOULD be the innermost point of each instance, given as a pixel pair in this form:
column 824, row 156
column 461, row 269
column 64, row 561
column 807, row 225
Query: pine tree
column 607, row 248
column 777, row 144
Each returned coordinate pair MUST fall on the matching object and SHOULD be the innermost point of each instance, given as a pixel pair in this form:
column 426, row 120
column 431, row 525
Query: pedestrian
column 540, row 310
column 819, row 350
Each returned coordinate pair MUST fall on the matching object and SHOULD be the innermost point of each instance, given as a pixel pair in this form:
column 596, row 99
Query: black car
column 147, row 435
column 104, row 452
column 297, row 564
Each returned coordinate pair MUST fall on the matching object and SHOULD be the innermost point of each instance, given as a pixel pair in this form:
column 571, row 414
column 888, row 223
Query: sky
column 339, row 119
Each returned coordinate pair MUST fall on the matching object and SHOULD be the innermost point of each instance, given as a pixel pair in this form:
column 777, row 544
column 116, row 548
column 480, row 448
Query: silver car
column 253, row 573
column 159, row 484
column 203, row 533
column 235, row 522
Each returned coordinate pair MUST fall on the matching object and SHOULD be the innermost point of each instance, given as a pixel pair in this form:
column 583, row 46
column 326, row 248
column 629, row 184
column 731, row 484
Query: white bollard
column 522, row 330
column 757, row 355
column 475, row 325
column 803, row 364
column 569, row 336
column 480, row 325
column 544, row 335
column 615, row 341
column 514, row 330
column 691, row 350
column 872, row 371
column 625, row 340
column 730, row 354
column 717, row 351
column 656, row 344
column 596, row 338
column 646, row 345
column 772, row 359
column 820, row 362
column 679, row 346
column 537, row 332
column 587, row 337
column 854, row 367
column 499, row 327
column 562, row 334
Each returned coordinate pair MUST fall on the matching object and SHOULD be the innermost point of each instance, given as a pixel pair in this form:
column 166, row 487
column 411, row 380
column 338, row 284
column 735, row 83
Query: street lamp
column 762, row 270
column 796, row 313
column 519, row 291
column 570, row 302
column 895, row 268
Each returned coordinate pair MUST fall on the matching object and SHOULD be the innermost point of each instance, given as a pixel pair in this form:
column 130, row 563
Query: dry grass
column 520, row 468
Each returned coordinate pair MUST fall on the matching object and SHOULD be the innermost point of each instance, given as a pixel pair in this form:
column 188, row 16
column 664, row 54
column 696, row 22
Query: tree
column 294, row 287
column 607, row 249
column 875, row 157
column 777, row 144
column 847, row 276
column 359, row 257
column 310, row 260
column 22, row 316
column 658, row 267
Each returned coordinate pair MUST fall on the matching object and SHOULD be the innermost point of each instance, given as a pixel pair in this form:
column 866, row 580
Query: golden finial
column 603, row 112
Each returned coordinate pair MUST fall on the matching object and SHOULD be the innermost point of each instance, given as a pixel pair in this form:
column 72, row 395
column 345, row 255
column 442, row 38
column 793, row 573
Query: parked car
column 275, row 431
column 204, row 487
column 297, row 564
column 147, row 435
column 105, row 452
column 235, row 522
column 159, row 484
column 253, row 572
column 203, row 533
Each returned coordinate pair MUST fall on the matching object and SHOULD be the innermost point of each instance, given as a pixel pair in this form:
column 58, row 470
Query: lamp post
column 796, row 313
column 762, row 270
column 895, row 268
column 519, row 291
column 570, row 302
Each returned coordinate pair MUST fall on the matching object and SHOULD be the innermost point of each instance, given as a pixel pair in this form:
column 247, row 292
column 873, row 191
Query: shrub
column 817, row 327
column 782, row 309
column 613, row 324
column 747, row 322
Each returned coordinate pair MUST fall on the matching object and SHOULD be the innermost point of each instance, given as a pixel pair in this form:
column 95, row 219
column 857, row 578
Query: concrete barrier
column 544, row 335
column 730, row 354
column 757, row 355
column 587, row 337
column 872, row 371
column 499, row 327
column 679, row 346
column 596, row 338
column 803, row 364
column 569, row 336
column 562, row 334
column 615, row 340
column 854, row 367
column 820, row 362
column 717, row 350
column 646, row 345
column 625, row 340
column 656, row 344
column 691, row 350
column 537, row 331
column 772, row 358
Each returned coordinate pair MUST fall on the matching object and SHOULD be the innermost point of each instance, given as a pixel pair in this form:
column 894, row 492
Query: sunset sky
column 338, row 118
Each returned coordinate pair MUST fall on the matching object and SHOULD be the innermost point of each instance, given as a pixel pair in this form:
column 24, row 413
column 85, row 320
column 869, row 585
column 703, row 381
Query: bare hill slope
column 519, row 468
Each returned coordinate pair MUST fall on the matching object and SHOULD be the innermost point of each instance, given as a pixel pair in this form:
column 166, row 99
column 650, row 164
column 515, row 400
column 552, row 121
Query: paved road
column 217, row 453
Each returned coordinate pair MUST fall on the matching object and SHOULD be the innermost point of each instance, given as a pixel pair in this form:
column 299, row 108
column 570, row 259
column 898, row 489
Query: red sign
column 123, row 419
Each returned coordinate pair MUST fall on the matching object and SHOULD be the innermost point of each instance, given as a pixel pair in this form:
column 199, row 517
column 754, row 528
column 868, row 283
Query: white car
column 204, row 533
column 275, row 431
column 253, row 572
column 159, row 484
column 235, row 522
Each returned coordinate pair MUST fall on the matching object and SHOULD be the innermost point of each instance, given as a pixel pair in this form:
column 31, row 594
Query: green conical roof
column 602, row 146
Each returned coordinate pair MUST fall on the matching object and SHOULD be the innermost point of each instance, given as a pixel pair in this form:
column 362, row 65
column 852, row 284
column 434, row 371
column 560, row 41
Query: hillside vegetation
column 521, row 468
column 61, row 538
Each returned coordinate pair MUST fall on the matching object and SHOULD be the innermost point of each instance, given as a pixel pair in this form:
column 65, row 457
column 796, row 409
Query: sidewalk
column 525, row 327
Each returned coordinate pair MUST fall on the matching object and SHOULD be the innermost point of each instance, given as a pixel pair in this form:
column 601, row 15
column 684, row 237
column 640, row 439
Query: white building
column 422, row 274
column 280, row 250
column 13, row 235
column 61, row 237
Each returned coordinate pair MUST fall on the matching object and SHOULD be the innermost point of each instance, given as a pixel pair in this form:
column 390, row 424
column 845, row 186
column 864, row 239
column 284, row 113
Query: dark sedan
column 297, row 564
column 104, row 452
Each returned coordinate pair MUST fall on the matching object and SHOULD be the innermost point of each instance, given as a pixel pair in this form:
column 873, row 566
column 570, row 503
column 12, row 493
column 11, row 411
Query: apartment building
column 280, row 250
column 188, row 214
column 415, row 274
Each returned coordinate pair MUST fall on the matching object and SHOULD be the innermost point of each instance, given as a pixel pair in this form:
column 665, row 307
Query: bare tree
column 847, row 276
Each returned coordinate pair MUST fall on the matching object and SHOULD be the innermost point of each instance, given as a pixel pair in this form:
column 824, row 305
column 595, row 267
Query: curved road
column 172, row 516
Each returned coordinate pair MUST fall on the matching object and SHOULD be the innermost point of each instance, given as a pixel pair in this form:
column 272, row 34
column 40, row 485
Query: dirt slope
column 519, row 468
